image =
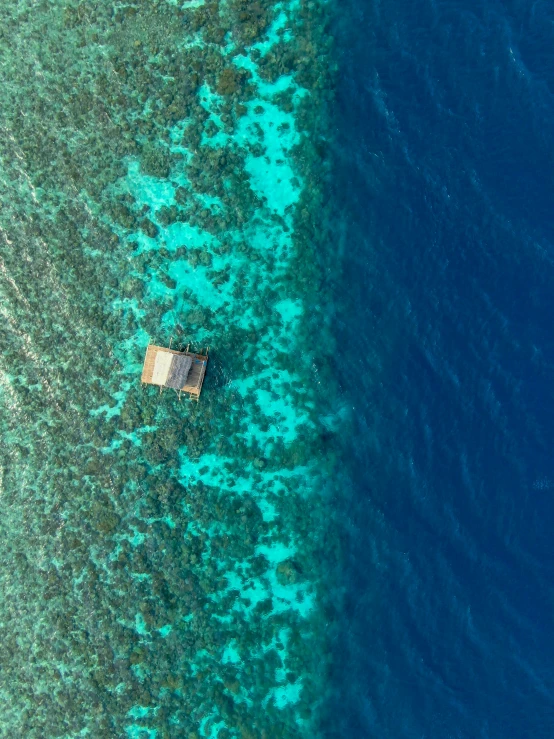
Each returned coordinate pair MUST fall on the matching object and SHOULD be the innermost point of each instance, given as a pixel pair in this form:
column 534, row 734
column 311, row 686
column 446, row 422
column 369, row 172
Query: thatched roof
column 179, row 370
column 182, row 371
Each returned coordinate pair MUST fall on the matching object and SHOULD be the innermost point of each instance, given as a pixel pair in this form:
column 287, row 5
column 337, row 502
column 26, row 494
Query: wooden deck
column 196, row 373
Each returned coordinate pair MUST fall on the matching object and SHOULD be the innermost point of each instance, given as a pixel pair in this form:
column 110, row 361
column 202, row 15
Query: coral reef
column 166, row 567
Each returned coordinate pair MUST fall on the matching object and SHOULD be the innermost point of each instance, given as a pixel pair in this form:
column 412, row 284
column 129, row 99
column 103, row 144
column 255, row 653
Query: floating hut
column 182, row 371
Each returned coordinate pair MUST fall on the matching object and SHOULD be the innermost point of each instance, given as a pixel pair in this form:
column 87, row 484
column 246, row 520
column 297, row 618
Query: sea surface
column 446, row 134
column 350, row 534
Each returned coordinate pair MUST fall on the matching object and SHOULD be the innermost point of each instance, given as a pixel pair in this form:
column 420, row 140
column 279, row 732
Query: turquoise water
column 166, row 566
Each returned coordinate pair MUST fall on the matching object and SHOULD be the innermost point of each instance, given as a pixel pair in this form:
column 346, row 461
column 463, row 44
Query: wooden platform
column 195, row 376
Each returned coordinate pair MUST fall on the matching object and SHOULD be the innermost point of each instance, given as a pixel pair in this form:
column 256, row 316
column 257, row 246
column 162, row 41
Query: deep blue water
column 446, row 147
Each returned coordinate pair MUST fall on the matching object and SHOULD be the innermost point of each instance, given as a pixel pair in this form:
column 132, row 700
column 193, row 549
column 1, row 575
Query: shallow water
column 164, row 563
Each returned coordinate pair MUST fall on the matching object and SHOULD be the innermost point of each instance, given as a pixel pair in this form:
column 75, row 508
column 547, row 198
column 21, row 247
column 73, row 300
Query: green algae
column 162, row 563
